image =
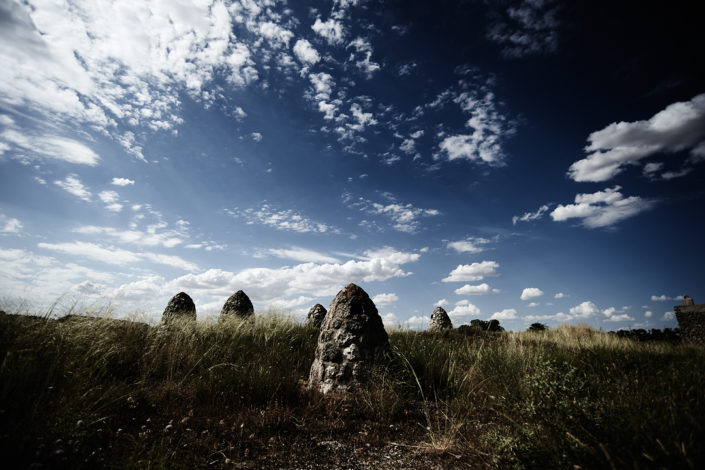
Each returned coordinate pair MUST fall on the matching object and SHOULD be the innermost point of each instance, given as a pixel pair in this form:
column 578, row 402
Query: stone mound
column 315, row 316
column 439, row 320
column 351, row 344
column 238, row 304
column 180, row 306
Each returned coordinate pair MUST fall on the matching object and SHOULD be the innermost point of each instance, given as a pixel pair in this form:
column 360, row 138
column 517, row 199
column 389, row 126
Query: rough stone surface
column 351, row 344
column 238, row 304
column 691, row 321
column 180, row 306
column 439, row 320
column 316, row 315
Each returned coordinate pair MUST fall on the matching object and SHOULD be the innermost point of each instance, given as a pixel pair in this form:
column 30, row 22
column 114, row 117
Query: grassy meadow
column 82, row 392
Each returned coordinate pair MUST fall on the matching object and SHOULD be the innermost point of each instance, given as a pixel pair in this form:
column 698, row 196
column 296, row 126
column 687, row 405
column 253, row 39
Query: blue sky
column 524, row 160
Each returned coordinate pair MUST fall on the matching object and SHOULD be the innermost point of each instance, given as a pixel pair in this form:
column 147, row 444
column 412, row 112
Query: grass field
column 84, row 392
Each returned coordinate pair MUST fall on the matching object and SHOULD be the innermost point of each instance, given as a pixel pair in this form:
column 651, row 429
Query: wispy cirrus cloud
column 286, row 219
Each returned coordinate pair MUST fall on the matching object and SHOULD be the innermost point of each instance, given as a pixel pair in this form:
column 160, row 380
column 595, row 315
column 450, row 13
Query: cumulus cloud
column 525, row 28
column 506, row 314
column 265, row 285
column 481, row 289
column 531, row 293
column 72, row 185
column 362, row 55
column 602, row 208
column 472, row 272
column 305, row 52
column 441, row 303
column 385, row 299
column 122, row 182
column 286, row 220
column 678, row 127
column 469, row 245
column 560, row 295
column 586, row 311
column 464, row 309
column 664, row 297
column 489, row 129
column 530, row 215
column 331, row 30
column 9, row 224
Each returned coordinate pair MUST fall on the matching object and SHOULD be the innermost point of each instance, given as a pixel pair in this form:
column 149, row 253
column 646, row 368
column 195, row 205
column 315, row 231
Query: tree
column 537, row 327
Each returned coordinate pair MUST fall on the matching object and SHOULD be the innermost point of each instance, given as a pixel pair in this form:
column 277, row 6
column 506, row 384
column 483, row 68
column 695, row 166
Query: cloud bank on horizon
column 285, row 149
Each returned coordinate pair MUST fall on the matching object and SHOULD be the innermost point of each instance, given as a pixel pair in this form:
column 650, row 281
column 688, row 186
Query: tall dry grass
column 87, row 392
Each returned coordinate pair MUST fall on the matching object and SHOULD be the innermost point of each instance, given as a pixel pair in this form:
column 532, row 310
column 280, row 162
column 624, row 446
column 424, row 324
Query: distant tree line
column 671, row 335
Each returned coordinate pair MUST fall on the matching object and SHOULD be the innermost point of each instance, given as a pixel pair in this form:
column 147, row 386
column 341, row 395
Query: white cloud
column 58, row 148
column 469, row 245
column 9, row 224
column 489, row 129
column 417, row 321
column 530, row 215
column 441, row 303
column 531, row 293
column 390, row 320
column 506, row 314
column 601, row 208
column 648, row 314
column 153, row 236
column 664, row 297
column 404, row 217
column 362, row 56
column 527, row 28
column 585, row 310
column 481, row 289
column 122, row 182
column 464, row 309
column 680, row 126
column 331, row 30
column 668, row 316
column 105, row 66
column 302, row 254
column 256, row 136
column 560, row 295
column 265, row 285
column 534, row 304
column 286, row 220
column 110, row 198
column 116, row 256
column 472, row 272
column 305, row 52
column 385, row 299
column 73, row 185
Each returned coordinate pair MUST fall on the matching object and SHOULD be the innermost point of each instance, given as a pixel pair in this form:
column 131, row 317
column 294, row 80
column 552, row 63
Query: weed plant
column 87, row 392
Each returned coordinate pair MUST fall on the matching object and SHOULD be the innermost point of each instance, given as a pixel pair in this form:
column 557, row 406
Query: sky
column 522, row 160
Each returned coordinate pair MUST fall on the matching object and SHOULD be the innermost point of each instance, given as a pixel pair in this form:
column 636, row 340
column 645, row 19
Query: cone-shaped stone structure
column 351, row 344
column 238, row 304
column 439, row 320
column 315, row 316
column 180, row 306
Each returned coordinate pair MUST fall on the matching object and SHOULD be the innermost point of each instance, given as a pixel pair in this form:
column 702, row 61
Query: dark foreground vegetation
column 100, row 393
